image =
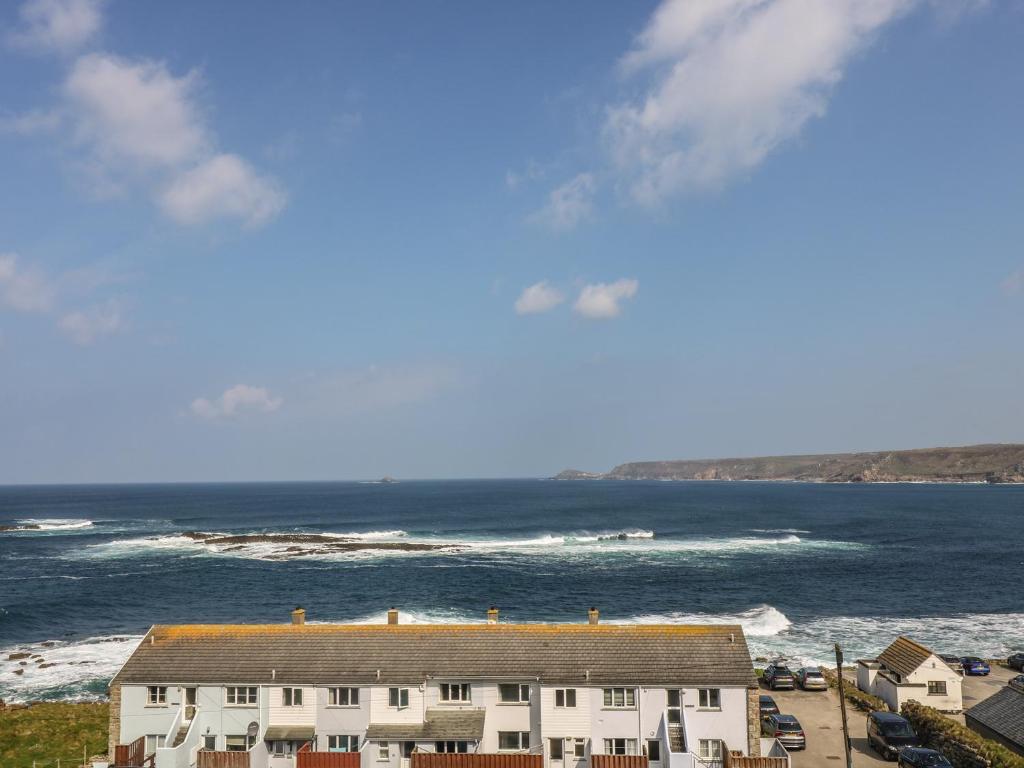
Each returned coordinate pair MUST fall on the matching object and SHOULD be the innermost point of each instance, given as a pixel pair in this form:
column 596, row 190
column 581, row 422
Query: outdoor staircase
column 675, row 739
column 180, row 737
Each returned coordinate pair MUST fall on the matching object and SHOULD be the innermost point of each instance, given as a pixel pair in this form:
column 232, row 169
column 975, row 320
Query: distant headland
column 996, row 463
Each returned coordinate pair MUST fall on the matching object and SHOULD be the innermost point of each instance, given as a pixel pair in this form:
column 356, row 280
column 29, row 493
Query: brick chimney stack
column 492, row 615
column 593, row 615
column 392, row 615
column 299, row 615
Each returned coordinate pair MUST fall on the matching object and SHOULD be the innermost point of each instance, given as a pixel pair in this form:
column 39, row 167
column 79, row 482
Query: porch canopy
column 439, row 725
column 288, row 733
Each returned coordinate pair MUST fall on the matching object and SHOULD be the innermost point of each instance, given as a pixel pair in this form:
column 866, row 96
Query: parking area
column 819, row 714
column 980, row 688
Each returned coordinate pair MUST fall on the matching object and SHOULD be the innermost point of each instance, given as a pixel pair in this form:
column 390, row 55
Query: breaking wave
column 46, row 525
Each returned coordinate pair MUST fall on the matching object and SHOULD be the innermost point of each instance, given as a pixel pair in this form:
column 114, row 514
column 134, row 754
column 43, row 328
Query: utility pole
column 842, row 705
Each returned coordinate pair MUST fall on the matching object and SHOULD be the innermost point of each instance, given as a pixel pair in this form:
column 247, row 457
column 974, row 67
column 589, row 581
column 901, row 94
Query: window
column 513, row 693
column 709, row 698
column 565, row 697
column 936, row 687
column 291, row 697
column 557, row 749
column 343, row 743
column 579, row 748
column 156, row 695
column 654, row 750
column 282, row 748
column 620, row 746
column 343, row 697
column 709, row 749
column 620, row 698
column 398, row 698
column 513, row 740
column 237, row 743
column 210, row 743
column 153, row 742
column 675, row 710
column 451, row 747
column 455, row 693
column 383, row 750
column 240, row 697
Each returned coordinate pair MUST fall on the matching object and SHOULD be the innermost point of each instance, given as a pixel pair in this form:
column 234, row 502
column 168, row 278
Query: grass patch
column 51, row 731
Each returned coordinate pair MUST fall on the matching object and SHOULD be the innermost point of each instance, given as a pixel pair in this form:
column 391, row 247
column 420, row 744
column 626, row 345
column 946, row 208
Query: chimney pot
column 392, row 615
column 492, row 615
column 593, row 615
column 299, row 615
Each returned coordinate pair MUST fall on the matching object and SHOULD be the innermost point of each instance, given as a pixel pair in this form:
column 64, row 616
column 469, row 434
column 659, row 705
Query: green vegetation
column 962, row 746
column 865, row 702
column 47, row 732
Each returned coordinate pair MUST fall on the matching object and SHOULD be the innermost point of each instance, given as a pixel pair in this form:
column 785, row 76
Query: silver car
column 786, row 729
column 811, row 679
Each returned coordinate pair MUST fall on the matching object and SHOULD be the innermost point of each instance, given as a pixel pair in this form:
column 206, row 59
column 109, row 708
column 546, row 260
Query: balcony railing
column 132, row 755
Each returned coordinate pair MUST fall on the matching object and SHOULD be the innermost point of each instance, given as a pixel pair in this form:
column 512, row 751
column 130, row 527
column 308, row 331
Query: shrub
column 962, row 746
column 865, row 702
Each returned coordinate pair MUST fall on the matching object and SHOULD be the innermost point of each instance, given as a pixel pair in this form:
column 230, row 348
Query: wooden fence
column 207, row 758
column 304, row 758
column 444, row 760
column 618, row 761
column 131, row 755
column 737, row 761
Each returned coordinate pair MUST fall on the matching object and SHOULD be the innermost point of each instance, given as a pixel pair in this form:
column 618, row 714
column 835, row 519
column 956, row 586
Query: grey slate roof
column 325, row 654
column 904, row 656
column 1002, row 712
column 440, row 725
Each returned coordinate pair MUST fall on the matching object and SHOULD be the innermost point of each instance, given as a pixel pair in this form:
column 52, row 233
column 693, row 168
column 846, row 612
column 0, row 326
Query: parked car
column 888, row 733
column 953, row 662
column 974, row 666
column 918, row 757
column 1018, row 680
column 778, row 676
column 1016, row 661
column 786, row 729
column 768, row 706
column 811, row 679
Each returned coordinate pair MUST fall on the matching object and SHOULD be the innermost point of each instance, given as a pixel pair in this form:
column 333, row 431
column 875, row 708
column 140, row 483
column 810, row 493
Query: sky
column 328, row 241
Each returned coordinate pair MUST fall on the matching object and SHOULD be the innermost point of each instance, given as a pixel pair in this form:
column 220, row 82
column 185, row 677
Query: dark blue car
column 974, row 666
column 916, row 757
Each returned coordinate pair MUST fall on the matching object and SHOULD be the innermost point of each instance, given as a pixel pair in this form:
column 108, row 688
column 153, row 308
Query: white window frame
column 291, row 697
column 232, row 692
column 463, row 691
column 520, row 690
column 522, row 739
column 941, row 689
column 710, row 749
column 579, row 748
column 655, row 743
column 612, row 746
column 568, row 697
column 619, row 698
column 709, row 698
column 343, row 697
column 455, row 743
column 157, row 740
column 398, row 698
column 246, row 741
column 560, row 742
column 156, row 695
column 343, row 742
column 383, row 751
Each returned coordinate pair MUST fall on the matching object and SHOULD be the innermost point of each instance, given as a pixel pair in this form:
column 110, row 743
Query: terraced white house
column 491, row 695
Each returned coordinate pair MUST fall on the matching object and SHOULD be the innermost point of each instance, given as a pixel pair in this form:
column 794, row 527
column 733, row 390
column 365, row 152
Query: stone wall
column 753, row 722
column 114, row 725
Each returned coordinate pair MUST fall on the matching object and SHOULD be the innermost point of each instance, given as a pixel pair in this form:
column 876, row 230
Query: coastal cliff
column 997, row 463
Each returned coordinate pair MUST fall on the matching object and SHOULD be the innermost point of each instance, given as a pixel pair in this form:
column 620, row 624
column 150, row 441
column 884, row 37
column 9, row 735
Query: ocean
column 86, row 570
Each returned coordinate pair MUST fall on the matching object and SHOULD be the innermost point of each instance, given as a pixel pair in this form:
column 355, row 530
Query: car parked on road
column 953, row 662
column 767, row 705
column 786, row 729
column 778, row 676
column 811, row 679
column 918, row 757
column 974, row 665
column 888, row 733
column 1017, row 680
column 1016, row 661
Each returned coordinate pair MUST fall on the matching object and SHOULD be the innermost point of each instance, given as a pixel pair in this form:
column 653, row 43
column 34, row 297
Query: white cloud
column 30, row 123
column 731, row 81
column 600, row 301
column 24, row 289
column 135, row 114
column 532, row 172
column 539, row 297
column 569, row 203
column 235, row 401
column 85, row 326
column 223, row 186
column 57, row 25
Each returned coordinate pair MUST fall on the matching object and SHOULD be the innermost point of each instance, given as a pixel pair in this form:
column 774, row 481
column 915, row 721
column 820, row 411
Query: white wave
column 369, row 535
column 778, row 530
column 762, row 621
column 50, row 524
column 80, row 670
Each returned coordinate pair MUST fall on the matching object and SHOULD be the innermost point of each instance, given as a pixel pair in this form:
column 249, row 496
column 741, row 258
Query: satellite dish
column 253, row 730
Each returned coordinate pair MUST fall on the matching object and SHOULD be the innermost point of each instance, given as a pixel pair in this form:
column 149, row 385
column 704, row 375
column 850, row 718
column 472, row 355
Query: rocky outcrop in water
column 299, row 544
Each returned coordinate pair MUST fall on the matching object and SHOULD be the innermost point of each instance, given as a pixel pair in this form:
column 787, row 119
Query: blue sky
column 475, row 240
